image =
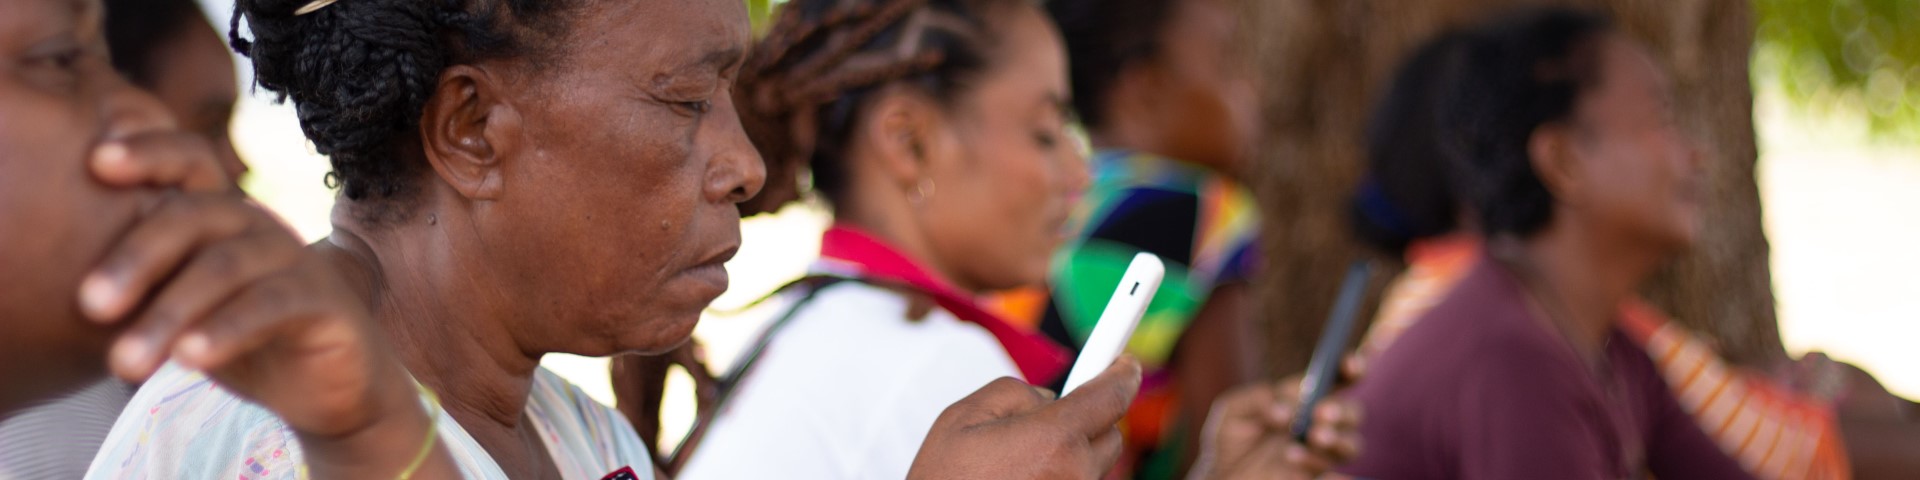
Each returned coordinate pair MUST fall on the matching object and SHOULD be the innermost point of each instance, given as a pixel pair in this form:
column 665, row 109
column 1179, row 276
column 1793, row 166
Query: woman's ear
column 901, row 130
column 468, row 131
column 1551, row 152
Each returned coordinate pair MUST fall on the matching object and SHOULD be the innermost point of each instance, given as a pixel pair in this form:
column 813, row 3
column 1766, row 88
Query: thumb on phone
column 1095, row 407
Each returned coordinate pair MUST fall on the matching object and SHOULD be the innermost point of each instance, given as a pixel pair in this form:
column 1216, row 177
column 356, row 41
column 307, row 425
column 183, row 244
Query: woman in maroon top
column 1562, row 136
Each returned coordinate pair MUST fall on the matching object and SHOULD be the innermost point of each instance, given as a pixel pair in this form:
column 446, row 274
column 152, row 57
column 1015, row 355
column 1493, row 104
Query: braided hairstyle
column 806, row 82
column 360, row 72
column 1104, row 38
column 135, row 28
column 1519, row 72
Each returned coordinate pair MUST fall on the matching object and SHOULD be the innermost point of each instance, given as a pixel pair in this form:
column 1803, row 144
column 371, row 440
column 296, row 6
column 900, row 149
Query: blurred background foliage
column 1844, row 58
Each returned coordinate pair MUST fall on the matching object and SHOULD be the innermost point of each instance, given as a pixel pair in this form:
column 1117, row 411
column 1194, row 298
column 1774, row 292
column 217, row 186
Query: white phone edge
column 1115, row 327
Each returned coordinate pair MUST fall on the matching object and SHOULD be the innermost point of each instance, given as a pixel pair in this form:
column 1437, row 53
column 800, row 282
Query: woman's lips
column 713, row 271
column 712, row 274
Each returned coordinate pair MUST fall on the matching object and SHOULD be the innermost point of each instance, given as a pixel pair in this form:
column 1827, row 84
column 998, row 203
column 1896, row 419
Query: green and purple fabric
column 1201, row 223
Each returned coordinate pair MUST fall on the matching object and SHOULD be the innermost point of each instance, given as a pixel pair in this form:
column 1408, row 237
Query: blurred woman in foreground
column 125, row 245
column 167, row 48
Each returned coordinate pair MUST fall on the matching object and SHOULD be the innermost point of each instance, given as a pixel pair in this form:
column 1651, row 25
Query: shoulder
column 182, row 425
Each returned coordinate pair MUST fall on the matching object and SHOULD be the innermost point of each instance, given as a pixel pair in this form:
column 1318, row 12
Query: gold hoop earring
column 921, row 192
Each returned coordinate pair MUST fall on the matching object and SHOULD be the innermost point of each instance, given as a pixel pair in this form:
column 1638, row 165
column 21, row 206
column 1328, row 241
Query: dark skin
column 163, row 259
column 1626, row 184
column 585, row 208
column 1193, row 102
column 979, row 190
column 1007, row 179
column 193, row 75
column 587, row 205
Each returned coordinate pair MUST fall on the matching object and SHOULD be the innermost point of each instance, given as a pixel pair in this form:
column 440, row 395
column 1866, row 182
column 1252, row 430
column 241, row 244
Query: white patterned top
column 182, row 425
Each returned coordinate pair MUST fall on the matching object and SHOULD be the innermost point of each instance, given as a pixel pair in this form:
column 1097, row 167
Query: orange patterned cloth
column 1774, row 431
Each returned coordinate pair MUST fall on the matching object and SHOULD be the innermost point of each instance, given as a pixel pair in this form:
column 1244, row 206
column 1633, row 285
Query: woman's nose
column 736, row 173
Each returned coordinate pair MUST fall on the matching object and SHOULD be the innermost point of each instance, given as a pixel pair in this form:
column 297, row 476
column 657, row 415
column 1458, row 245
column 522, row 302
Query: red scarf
column 852, row 253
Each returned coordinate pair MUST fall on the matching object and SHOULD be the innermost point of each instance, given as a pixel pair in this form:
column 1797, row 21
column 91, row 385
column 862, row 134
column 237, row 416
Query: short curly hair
column 360, row 72
column 1518, row 72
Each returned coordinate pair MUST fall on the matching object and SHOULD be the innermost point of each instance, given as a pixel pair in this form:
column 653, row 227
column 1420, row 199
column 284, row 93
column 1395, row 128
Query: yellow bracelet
column 433, row 433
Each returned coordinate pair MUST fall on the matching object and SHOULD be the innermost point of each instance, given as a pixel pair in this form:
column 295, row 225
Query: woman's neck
column 895, row 227
column 1584, row 280
column 434, row 305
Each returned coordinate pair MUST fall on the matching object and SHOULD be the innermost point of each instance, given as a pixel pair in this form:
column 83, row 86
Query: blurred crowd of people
column 523, row 177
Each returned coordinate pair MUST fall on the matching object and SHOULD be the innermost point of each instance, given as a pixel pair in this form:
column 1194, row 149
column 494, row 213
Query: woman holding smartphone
column 1561, row 143
column 936, row 131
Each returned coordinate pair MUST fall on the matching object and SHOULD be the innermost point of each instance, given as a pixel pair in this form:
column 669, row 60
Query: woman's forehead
column 661, row 36
column 25, row 20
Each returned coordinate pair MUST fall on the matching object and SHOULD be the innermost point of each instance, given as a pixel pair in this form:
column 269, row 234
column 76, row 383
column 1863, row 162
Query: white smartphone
column 1117, row 322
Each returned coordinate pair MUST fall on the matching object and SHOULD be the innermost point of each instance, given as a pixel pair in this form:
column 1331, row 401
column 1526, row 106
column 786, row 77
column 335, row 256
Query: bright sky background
column 1843, row 215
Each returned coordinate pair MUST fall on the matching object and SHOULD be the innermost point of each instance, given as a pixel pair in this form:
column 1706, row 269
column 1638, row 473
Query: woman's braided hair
column 806, row 82
column 360, row 72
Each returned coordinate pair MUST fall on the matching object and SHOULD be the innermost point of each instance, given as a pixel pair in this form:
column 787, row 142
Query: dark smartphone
column 1325, row 367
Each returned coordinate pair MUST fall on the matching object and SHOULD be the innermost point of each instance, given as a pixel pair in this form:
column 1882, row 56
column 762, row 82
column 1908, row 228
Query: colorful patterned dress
column 1202, row 224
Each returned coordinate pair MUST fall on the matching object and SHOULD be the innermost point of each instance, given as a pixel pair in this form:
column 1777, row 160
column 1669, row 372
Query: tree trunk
column 1324, row 62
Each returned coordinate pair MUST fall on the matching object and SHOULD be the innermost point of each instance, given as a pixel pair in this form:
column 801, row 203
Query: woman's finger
column 155, row 248
column 167, row 159
column 1106, row 453
column 1353, row 368
column 246, row 323
column 216, row 273
column 1002, row 398
column 1337, row 413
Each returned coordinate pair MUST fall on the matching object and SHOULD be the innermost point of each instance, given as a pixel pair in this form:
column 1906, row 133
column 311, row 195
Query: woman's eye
column 57, row 68
column 695, row 107
column 65, row 59
column 1048, row 140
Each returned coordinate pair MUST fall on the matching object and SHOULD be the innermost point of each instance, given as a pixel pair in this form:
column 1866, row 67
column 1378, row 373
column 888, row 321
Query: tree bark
column 1324, row 61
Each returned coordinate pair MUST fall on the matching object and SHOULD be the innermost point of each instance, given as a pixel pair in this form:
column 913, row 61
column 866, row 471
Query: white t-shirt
column 847, row 390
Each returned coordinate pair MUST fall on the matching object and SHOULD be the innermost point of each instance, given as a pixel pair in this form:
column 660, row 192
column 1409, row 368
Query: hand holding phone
column 1116, row 324
column 1325, row 366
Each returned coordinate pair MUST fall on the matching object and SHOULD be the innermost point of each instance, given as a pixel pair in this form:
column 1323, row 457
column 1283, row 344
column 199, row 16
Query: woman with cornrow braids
column 936, row 131
column 524, row 177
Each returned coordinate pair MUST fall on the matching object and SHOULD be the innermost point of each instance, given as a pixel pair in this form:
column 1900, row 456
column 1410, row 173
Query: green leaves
column 1849, row 57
